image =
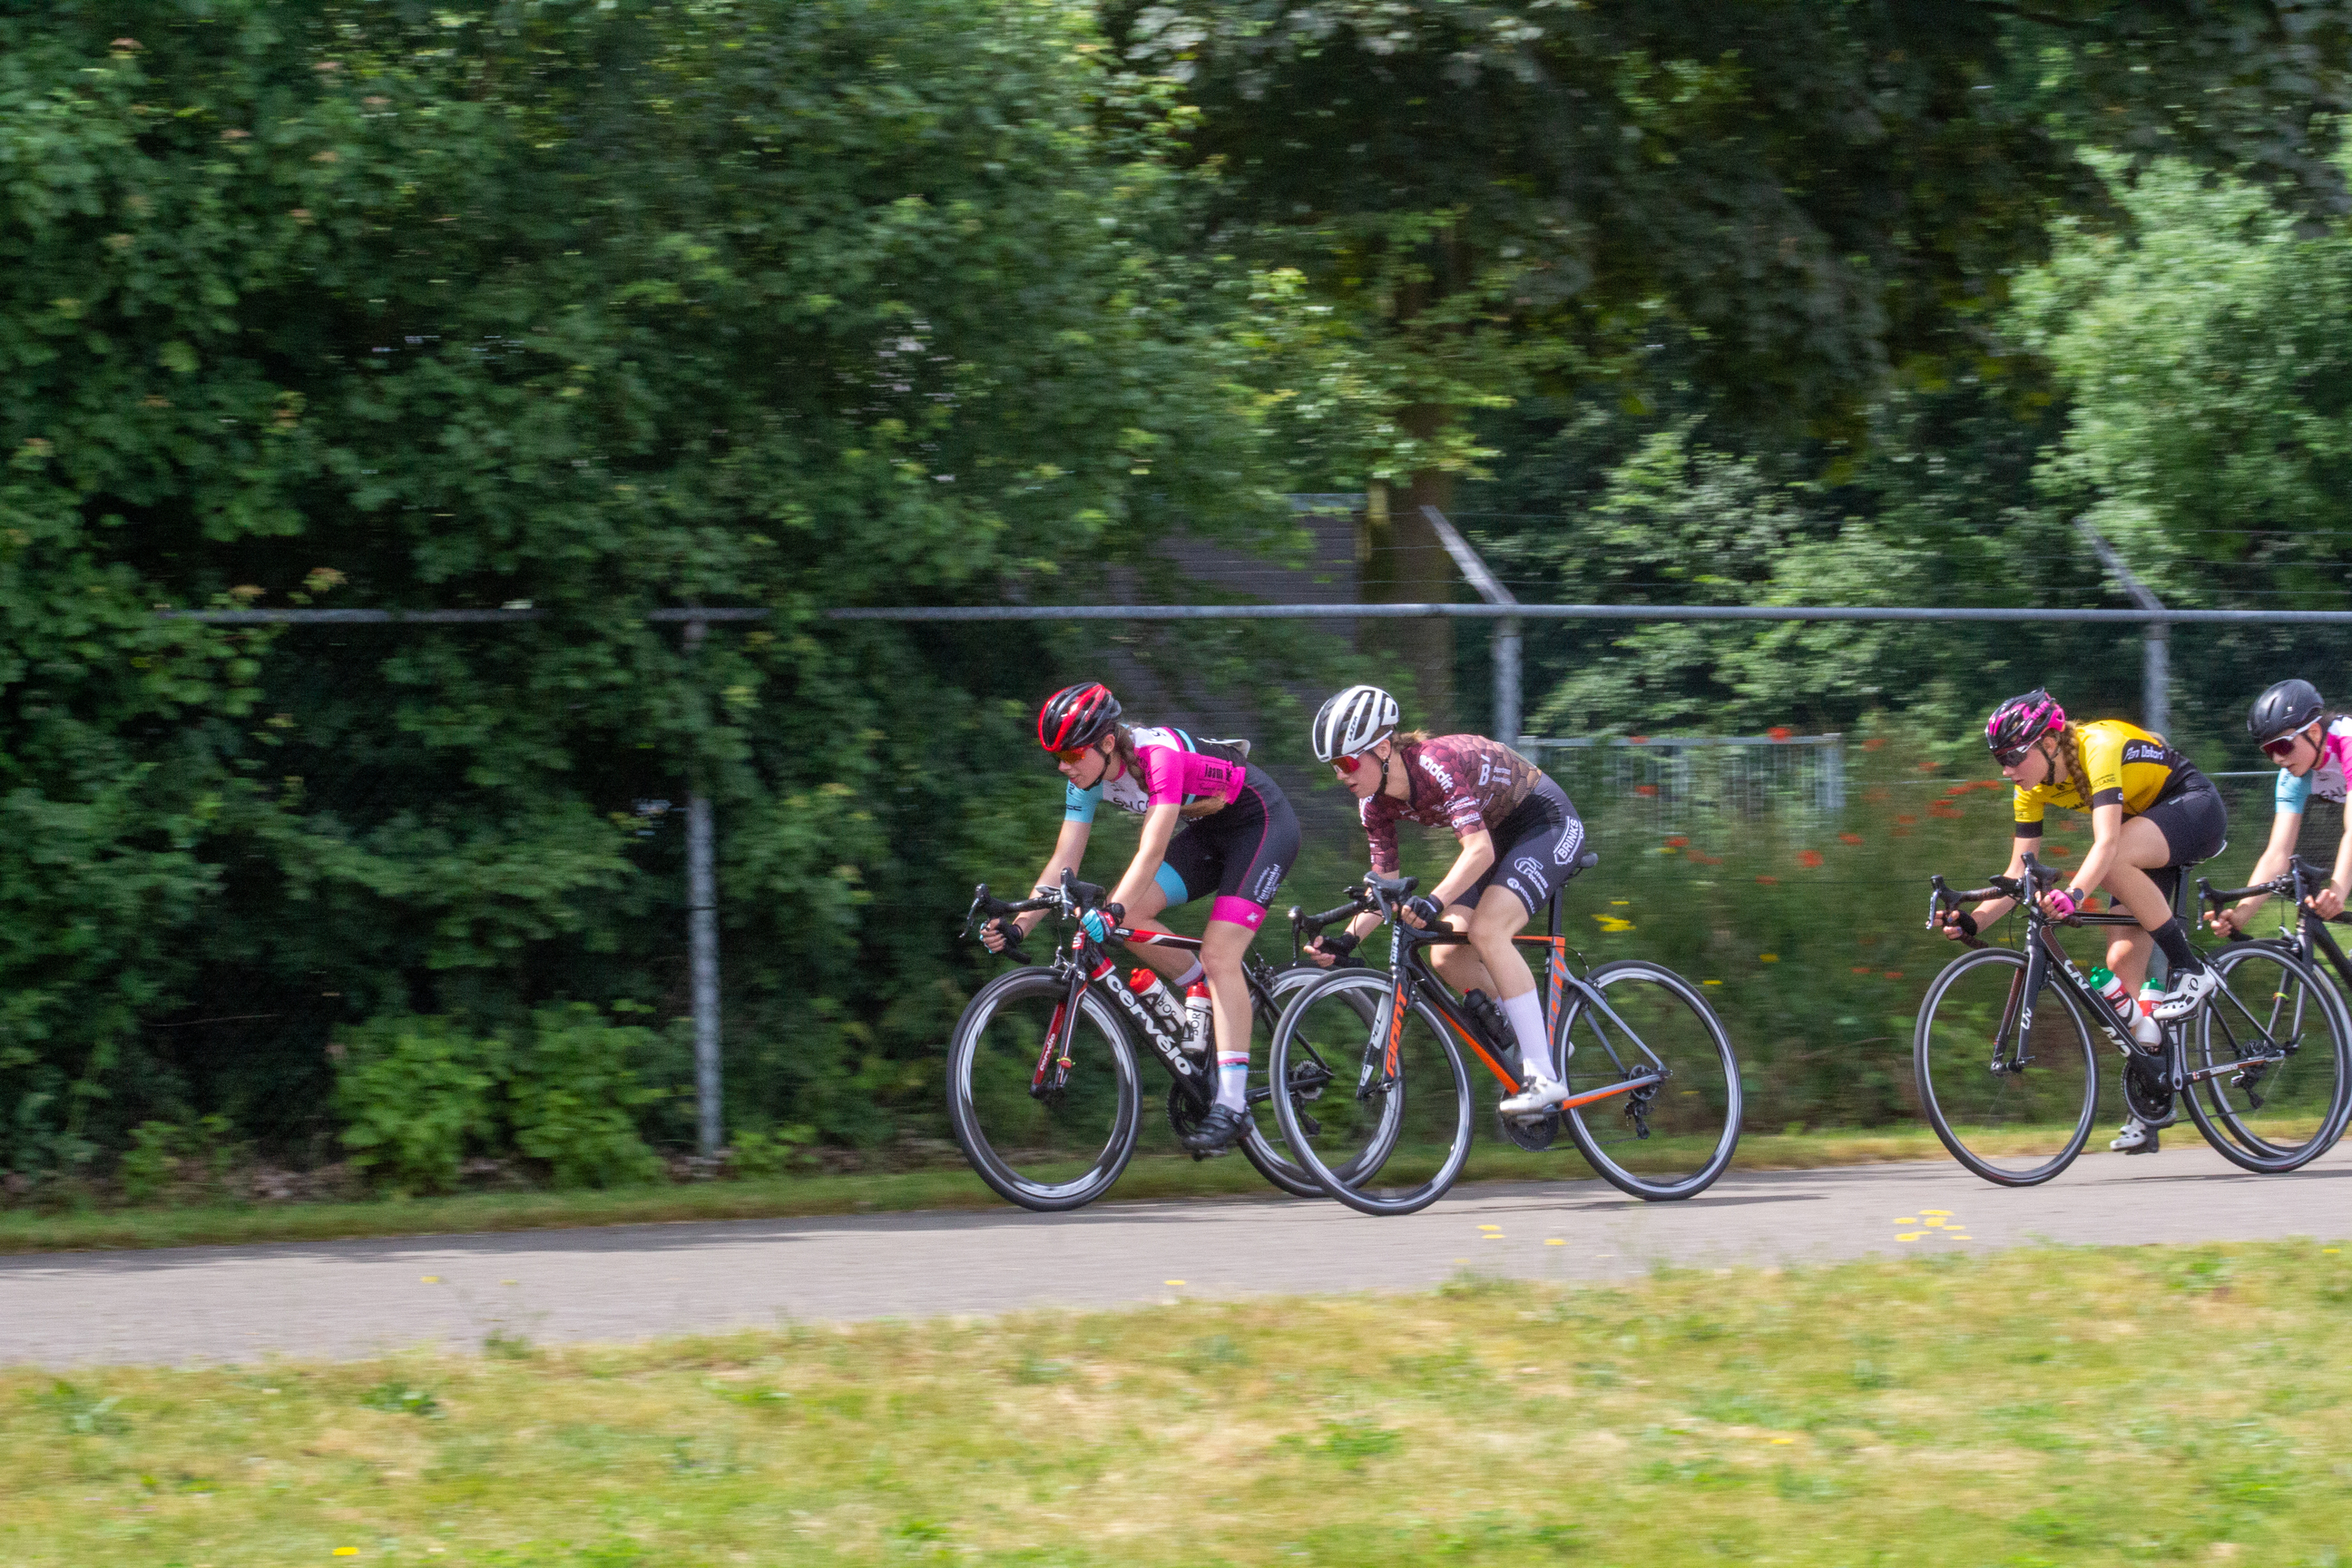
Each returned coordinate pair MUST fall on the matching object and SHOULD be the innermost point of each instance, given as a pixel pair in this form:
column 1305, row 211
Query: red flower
column 2057, row 852
column 1942, row 808
column 1874, row 742
column 1893, row 974
column 1906, row 821
column 1929, row 767
column 1779, row 732
column 1770, row 881
column 1849, row 837
column 1679, row 842
column 1646, row 789
column 1809, row 858
column 1862, row 969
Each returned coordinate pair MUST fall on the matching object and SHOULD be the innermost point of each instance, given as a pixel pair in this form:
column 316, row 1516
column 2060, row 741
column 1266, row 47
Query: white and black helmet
column 1353, row 722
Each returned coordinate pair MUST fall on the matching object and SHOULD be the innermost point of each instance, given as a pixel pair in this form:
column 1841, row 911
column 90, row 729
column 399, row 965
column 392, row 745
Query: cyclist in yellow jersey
column 2152, row 814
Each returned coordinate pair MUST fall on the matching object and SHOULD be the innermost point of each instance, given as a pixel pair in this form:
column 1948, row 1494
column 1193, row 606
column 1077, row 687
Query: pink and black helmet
column 2022, row 721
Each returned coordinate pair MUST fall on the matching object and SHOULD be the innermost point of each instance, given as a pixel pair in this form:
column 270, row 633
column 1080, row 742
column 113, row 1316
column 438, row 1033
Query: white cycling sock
column 1525, row 1013
column 1192, row 976
column 1233, row 1081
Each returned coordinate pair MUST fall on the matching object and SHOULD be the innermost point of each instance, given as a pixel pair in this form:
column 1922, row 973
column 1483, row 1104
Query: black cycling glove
column 1425, row 907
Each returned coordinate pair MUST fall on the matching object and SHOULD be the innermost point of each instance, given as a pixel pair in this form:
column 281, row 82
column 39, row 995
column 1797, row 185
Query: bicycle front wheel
column 1380, row 1117
column 1672, row 1138
column 1264, row 1144
column 2011, row 1098
column 1048, row 1129
column 2281, row 1033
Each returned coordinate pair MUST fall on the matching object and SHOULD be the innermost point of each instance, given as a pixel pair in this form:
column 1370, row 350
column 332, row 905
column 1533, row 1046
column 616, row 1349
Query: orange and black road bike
column 1380, row 1103
column 1043, row 1091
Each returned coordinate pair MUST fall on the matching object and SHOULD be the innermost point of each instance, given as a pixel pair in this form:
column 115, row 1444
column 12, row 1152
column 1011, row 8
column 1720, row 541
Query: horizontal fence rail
column 720, row 615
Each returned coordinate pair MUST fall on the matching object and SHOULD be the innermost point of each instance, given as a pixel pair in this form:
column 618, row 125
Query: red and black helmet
column 1077, row 715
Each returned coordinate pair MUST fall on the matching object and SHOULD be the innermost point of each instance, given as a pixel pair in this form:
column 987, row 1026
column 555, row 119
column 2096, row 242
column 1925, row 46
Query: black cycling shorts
column 1536, row 848
column 2195, row 825
column 1242, row 852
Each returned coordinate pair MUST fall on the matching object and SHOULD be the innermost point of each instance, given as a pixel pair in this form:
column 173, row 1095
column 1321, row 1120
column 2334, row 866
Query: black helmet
column 2282, row 709
column 2022, row 721
column 1077, row 715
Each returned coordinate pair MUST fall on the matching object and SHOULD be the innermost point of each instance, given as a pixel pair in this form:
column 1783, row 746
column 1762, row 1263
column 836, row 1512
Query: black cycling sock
column 2173, row 937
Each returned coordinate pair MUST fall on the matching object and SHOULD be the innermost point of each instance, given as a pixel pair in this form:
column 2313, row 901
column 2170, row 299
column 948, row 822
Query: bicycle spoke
column 1669, row 1138
column 1046, row 1130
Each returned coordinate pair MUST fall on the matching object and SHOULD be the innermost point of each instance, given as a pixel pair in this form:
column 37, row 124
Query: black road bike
column 1042, row 1092
column 1379, row 1104
column 2278, row 1113
column 2009, row 1075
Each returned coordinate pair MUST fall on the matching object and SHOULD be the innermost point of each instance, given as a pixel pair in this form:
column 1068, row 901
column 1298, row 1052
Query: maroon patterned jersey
column 1463, row 782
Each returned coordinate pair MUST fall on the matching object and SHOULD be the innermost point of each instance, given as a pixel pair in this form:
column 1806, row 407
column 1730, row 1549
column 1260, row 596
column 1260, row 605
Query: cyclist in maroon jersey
column 1520, row 841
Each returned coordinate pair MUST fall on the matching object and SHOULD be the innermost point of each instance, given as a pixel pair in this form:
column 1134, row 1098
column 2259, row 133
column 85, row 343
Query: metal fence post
column 702, row 948
column 2156, row 643
column 1505, row 641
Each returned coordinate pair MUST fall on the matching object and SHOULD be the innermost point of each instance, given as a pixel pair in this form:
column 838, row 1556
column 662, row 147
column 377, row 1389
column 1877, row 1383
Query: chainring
column 1185, row 1115
column 2147, row 1092
column 1535, row 1135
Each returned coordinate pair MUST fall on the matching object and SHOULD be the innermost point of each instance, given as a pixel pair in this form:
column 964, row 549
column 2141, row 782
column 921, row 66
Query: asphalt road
column 342, row 1300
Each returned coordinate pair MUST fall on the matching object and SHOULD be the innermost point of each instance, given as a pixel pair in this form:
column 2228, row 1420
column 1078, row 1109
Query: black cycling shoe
column 1217, row 1130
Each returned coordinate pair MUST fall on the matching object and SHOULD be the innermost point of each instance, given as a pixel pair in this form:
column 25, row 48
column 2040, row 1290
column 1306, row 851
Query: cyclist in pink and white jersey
column 2314, row 751
column 1211, row 823
column 1521, row 840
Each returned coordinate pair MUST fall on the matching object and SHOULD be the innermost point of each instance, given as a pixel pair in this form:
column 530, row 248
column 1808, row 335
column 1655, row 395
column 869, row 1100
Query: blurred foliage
column 601, row 309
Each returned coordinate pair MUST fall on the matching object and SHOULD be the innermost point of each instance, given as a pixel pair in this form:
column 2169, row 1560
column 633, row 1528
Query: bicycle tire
column 980, row 1080
column 1992, row 1113
column 1359, row 1053
column 1270, row 1155
column 2239, row 1120
column 1716, row 1081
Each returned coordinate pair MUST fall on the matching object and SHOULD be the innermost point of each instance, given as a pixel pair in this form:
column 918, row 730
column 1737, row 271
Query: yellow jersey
column 2122, row 763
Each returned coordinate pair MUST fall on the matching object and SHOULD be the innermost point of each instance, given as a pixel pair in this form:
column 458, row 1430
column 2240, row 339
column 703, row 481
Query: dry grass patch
column 2045, row 1406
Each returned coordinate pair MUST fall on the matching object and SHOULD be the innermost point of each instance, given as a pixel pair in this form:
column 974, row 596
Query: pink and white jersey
column 2326, row 780
column 1177, row 771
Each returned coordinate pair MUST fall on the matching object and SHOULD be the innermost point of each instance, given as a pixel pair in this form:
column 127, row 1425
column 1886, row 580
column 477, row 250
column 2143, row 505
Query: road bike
column 1042, row 1092
column 1379, row 1106
column 2281, row 1111
column 2010, row 1081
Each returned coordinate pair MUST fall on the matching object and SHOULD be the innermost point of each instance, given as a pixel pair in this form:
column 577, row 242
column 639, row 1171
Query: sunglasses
column 2283, row 748
column 2011, row 757
column 1070, row 755
column 1344, row 766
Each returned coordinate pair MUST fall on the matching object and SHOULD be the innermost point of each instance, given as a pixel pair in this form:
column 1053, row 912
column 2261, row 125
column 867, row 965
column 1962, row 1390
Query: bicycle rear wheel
column 1673, row 1139
column 1384, row 1133
column 2015, row 1108
column 1264, row 1145
column 1046, row 1133
column 2283, row 1031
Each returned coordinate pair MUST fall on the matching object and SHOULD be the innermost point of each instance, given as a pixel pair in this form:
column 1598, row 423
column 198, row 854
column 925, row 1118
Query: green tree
column 599, row 309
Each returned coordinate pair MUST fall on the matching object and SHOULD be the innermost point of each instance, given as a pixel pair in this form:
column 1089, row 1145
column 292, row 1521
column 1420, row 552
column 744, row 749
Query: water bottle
column 1196, row 1018
column 2146, row 1030
column 2112, row 990
column 1146, row 984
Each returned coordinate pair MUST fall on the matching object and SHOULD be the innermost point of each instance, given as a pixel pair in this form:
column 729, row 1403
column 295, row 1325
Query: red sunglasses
column 1343, row 766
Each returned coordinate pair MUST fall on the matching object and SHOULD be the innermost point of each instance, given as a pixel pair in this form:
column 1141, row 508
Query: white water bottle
column 2146, row 1030
column 1196, row 1018
column 1154, row 993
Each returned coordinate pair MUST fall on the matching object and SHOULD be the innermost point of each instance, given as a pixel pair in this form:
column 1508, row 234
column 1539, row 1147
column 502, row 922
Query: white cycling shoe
column 2135, row 1137
column 2187, row 994
column 1540, row 1096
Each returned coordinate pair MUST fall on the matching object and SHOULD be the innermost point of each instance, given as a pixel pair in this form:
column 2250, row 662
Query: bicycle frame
column 1413, row 980
column 2310, row 934
column 2046, row 960
column 1083, row 962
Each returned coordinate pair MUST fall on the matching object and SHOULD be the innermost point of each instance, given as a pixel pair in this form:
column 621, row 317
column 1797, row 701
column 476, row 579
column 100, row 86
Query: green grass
column 2045, row 1406
column 25, row 1230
